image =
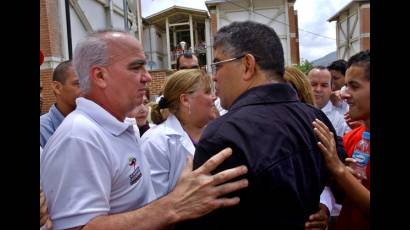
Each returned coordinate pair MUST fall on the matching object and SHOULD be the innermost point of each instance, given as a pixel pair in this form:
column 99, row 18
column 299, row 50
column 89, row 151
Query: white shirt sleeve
column 327, row 198
column 157, row 153
column 76, row 180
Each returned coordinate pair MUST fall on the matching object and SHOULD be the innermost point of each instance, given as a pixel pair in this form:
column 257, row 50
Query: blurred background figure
column 66, row 88
column 321, row 81
column 139, row 115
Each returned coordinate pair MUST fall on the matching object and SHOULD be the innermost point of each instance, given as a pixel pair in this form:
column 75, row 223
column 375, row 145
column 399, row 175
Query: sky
column 312, row 17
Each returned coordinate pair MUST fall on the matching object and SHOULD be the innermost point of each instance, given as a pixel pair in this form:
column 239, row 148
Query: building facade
column 352, row 28
column 64, row 22
column 174, row 30
column 278, row 14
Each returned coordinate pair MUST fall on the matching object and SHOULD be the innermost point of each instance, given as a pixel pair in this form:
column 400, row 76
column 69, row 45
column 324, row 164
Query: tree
column 305, row 66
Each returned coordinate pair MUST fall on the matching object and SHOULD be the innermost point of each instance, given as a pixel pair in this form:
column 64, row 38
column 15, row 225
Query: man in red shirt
column 355, row 213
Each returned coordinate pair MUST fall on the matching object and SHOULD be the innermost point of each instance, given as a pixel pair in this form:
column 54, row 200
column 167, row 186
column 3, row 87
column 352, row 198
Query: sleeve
column 157, row 154
column 76, row 179
column 342, row 126
column 45, row 133
column 339, row 141
column 327, row 198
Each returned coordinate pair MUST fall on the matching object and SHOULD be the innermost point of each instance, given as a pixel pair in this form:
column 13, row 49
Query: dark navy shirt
column 271, row 132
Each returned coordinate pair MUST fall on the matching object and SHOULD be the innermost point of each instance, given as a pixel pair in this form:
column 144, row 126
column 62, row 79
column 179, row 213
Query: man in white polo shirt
column 92, row 169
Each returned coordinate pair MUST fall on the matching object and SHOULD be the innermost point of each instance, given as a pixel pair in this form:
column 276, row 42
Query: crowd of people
column 256, row 144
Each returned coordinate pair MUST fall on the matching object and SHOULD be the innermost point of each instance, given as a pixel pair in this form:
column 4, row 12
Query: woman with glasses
column 188, row 99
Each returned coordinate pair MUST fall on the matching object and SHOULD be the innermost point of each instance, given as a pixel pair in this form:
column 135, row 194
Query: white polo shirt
column 166, row 147
column 338, row 121
column 93, row 166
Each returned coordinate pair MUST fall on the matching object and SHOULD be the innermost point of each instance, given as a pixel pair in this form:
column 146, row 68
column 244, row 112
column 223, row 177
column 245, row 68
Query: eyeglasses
column 216, row 65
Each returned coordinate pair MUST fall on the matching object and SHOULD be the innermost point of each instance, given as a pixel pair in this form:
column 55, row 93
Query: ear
column 98, row 76
column 184, row 99
column 56, row 86
column 250, row 67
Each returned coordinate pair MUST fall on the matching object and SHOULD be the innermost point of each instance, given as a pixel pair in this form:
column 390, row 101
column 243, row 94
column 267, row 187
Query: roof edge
column 177, row 7
column 335, row 16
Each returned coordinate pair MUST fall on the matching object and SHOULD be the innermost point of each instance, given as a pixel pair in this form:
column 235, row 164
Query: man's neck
column 105, row 105
column 63, row 108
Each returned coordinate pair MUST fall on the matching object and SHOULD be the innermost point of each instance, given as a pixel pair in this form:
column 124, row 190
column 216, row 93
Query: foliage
column 305, row 66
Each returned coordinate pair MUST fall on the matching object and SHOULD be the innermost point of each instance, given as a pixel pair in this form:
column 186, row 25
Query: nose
column 344, row 93
column 317, row 88
column 146, row 77
column 213, row 76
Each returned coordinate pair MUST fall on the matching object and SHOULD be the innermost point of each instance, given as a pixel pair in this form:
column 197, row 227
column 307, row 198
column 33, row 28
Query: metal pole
column 125, row 9
column 67, row 15
column 110, row 14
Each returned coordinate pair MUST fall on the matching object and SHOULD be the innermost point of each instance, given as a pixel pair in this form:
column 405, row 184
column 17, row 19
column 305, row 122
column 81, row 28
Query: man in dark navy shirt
column 269, row 130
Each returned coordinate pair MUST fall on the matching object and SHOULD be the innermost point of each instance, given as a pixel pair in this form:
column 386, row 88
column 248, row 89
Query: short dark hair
column 185, row 54
column 239, row 38
column 361, row 59
column 338, row 65
column 60, row 72
column 319, row 67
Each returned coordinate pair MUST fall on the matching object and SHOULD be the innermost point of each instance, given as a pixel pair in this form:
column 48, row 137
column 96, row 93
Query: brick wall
column 51, row 44
column 50, row 35
column 365, row 26
column 49, row 99
column 158, row 80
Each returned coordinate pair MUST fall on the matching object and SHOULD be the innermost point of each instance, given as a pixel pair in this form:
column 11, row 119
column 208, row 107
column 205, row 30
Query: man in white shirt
column 321, row 80
column 93, row 172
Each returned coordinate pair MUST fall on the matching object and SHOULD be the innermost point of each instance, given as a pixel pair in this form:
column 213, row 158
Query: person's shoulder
column 45, row 119
column 219, row 124
column 78, row 125
column 154, row 133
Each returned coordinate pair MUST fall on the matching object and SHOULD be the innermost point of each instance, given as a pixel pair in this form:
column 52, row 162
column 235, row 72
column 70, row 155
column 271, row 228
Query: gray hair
column 92, row 50
column 248, row 37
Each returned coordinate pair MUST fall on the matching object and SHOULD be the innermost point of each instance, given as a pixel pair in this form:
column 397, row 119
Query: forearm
column 156, row 215
column 354, row 190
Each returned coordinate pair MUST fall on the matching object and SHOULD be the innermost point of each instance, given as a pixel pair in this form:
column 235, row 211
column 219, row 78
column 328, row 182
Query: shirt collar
column 270, row 93
column 327, row 108
column 173, row 126
column 57, row 116
column 101, row 116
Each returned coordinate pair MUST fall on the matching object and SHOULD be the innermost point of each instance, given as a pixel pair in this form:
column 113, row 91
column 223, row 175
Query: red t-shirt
column 350, row 217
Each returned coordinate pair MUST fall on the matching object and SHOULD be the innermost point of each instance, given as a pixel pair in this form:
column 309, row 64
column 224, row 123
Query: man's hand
column 198, row 192
column 45, row 220
column 328, row 146
column 335, row 97
column 319, row 220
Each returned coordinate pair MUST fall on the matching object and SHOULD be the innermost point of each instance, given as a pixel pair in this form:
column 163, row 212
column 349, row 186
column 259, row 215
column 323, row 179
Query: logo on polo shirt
column 136, row 174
